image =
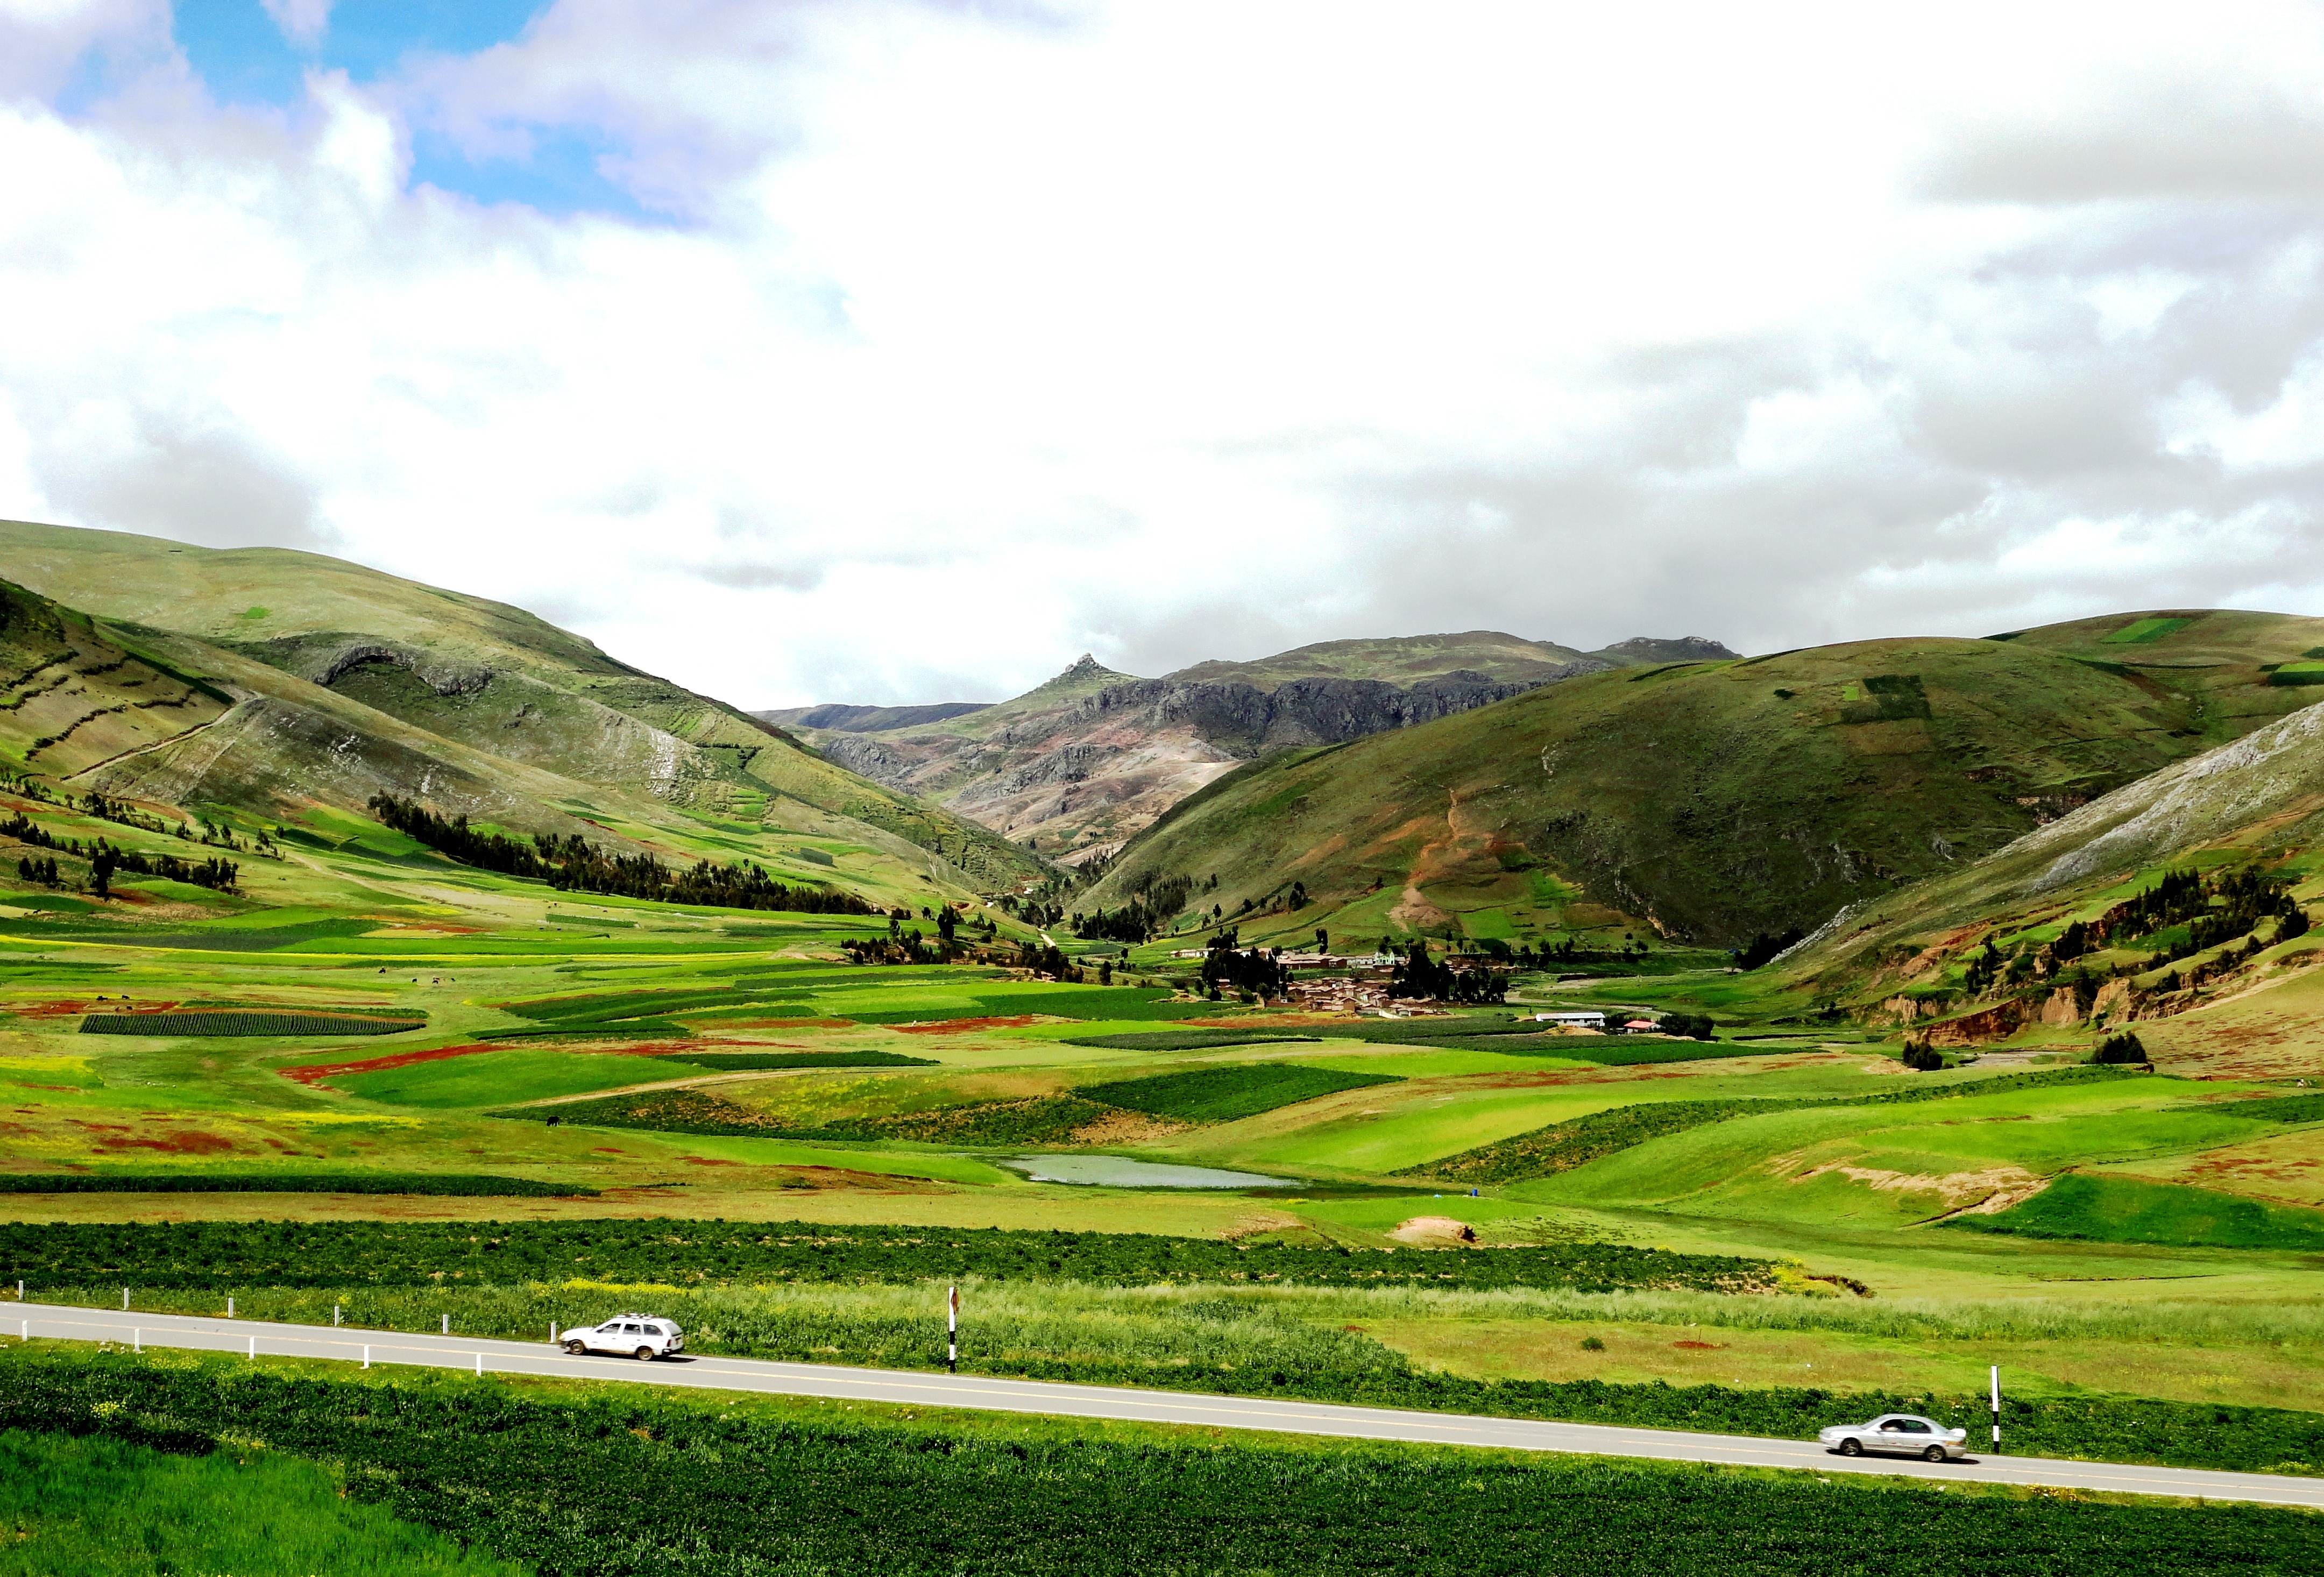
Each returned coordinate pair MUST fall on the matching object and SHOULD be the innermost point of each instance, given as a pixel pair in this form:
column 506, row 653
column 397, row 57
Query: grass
column 447, row 1185
column 487, row 1078
column 1224, row 1094
column 2146, row 631
column 582, row 1482
column 2123, row 1209
column 101, row 1506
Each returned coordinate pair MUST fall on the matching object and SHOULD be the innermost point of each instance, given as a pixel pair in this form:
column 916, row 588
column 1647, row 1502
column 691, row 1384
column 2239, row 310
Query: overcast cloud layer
column 908, row 351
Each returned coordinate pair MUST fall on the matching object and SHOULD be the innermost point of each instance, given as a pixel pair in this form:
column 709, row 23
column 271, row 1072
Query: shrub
column 1922, row 1057
column 2124, row 1048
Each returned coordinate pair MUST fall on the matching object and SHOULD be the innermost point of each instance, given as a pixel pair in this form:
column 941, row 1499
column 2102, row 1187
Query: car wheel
column 1851, row 1447
column 1936, row 1453
column 644, row 1353
column 576, row 1347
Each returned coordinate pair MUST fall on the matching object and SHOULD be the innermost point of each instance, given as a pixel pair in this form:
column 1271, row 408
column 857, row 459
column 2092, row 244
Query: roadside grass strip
column 456, row 1185
column 2128, row 1210
column 102, row 1503
column 238, row 1023
column 595, row 1484
column 1224, row 1094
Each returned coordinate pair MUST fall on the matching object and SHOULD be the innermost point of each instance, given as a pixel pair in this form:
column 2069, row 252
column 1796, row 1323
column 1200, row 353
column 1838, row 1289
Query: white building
column 1573, row 1020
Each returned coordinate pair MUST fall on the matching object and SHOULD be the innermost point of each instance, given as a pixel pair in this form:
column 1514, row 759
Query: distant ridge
column 1645, row 649
column 838, row 717
column 1093, row 756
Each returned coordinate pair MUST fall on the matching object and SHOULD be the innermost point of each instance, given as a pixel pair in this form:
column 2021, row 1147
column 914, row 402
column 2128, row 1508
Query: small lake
column 1114, row 1172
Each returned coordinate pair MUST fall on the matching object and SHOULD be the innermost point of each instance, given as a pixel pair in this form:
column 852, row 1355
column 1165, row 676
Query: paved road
column 913, row 1388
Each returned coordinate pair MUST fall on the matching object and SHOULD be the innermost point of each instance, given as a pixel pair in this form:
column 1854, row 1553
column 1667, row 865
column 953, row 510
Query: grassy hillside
column 1403, row 660
column 480, row 674
column 1715, row 800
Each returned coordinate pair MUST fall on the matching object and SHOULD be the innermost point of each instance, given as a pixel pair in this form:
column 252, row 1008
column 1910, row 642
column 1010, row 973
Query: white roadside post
column 229, row 1308
column 335, row 1316
column 447, row 1324
column 125, row 1300
column 480, row 1366
column 366, row 1355
column 1996, row 1408
column 136, row 1339
column 253, row 1350
column 951, row 1333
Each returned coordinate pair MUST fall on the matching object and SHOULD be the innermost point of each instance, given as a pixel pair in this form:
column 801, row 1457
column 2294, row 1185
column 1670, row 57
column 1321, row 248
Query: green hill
column 314, row 645
column 1718, row 800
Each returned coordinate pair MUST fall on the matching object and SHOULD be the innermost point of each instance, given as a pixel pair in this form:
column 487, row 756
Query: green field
column 369, row 1075
column 2123, row 1209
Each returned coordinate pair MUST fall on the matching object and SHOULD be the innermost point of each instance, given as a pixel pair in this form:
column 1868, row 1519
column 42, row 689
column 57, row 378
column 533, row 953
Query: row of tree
column 573, row 864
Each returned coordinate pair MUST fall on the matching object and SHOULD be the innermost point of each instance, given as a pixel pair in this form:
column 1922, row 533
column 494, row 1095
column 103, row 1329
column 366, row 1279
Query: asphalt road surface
column 36, row 1321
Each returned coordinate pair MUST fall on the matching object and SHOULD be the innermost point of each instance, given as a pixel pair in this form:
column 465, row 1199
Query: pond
column 1114, row 1172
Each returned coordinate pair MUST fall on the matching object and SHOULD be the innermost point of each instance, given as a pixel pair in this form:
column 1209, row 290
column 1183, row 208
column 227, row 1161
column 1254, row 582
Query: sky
column 890, row 352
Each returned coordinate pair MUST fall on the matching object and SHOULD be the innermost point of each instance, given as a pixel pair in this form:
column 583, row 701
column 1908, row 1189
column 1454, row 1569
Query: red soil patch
column 962, row 1026
column 193, row 1143
column 709, row 1161
column 316, row 1073
column 805, row 1023
column 1698, row 1346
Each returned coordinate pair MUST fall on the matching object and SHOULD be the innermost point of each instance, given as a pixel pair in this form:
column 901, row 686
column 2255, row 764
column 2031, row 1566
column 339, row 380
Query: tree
column 101, row 870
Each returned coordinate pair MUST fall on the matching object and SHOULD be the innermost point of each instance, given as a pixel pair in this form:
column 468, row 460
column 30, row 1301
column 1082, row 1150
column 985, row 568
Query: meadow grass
column 97, row 1507
column 2126, row 1210
column 485, row 1078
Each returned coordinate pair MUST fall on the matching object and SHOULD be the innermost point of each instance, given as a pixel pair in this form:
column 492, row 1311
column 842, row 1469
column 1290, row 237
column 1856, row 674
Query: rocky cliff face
column 1091, row 757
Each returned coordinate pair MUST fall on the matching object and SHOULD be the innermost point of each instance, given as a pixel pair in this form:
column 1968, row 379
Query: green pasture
column 2126, row 1210
column 493, row 1078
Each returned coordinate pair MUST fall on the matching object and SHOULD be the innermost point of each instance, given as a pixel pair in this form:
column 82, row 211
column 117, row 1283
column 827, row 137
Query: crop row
column 753, row 1061
column 1222, row 1095
column 239, row 1023
column 196, row 1254
column 607, row 1484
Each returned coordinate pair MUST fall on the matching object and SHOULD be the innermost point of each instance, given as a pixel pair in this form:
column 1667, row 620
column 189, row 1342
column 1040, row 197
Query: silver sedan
column 1897, row 1435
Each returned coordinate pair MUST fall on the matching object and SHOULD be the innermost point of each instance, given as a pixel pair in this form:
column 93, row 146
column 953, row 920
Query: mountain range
column 1089, row 759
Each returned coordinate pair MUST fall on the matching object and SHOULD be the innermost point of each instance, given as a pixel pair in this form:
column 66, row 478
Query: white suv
column 643, row 1336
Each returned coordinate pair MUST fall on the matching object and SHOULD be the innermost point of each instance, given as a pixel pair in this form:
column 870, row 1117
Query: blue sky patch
column 243, row 57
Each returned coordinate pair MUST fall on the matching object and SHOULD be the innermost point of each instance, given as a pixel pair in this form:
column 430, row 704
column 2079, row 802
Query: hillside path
column 913, row 1387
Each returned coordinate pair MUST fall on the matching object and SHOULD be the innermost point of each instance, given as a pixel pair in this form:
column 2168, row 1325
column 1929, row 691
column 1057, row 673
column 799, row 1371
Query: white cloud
column 302, row 21
column 979, row 338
